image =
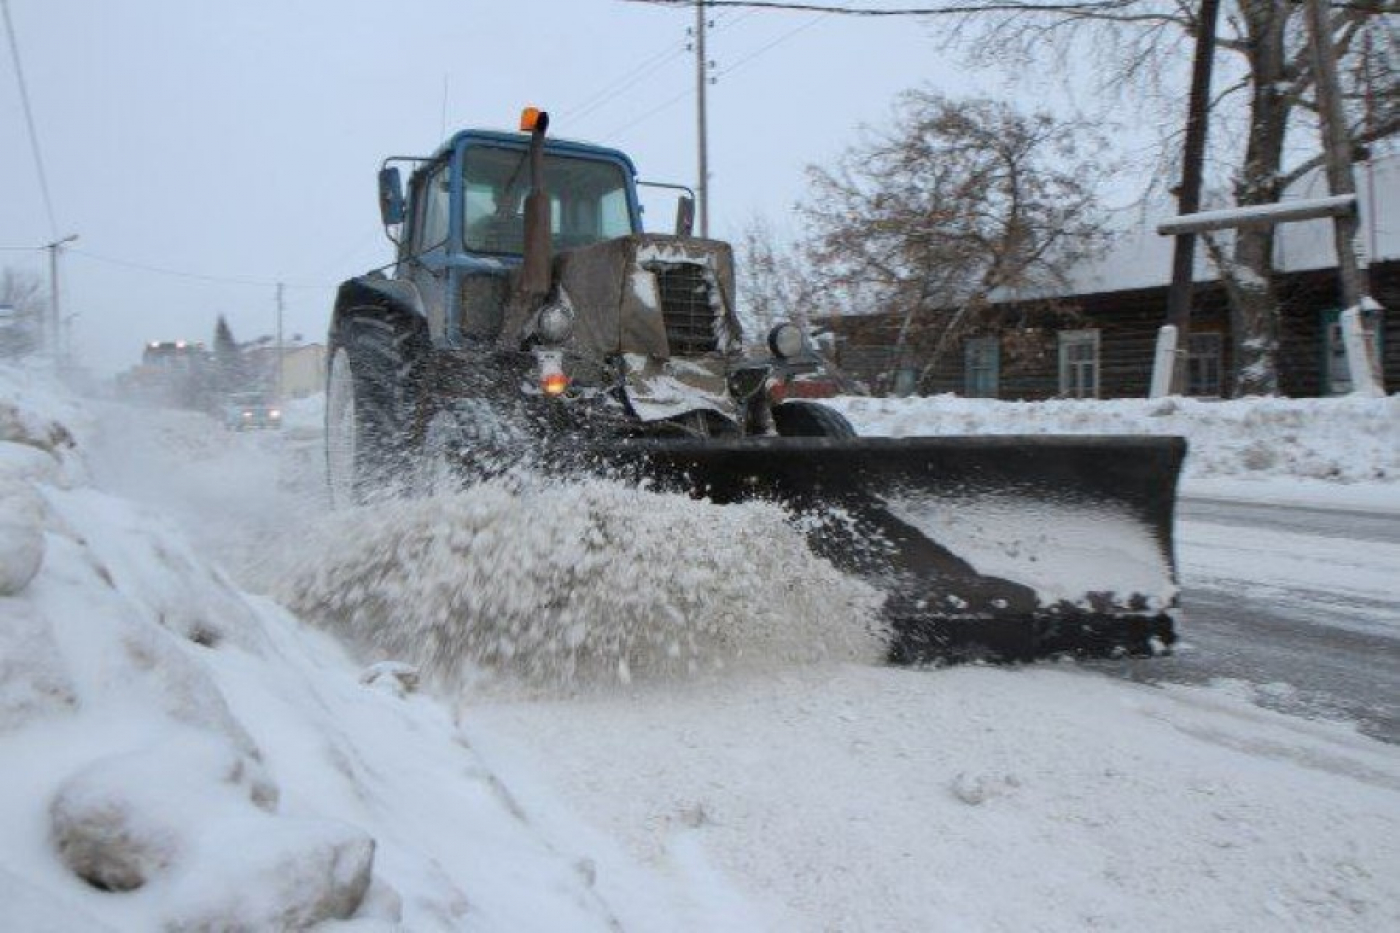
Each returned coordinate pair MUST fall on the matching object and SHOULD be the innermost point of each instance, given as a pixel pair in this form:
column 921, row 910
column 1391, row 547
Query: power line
column 776, row 42
column 195, row 276
column 740, row 63
column 654, row 110
column 29, row 118
column 610, row 91
column 960, row 8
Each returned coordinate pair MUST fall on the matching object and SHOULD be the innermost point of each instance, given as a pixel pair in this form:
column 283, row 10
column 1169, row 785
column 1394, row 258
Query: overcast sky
column 239, row 140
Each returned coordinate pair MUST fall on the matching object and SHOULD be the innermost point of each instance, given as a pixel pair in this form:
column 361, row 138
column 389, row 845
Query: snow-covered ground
column 184, row 754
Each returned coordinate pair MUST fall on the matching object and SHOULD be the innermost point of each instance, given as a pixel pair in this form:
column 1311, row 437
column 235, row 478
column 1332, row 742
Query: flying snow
column 575, row 582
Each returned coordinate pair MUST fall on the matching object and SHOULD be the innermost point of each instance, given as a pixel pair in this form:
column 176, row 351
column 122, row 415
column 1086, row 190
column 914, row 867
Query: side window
column 615, row 213
column 434, row 209
column 981, row 365
column 1079, row 363
column 1203, row 369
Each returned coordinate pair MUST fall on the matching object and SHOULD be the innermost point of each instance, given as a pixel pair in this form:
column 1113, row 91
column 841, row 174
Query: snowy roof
column 1139, row 257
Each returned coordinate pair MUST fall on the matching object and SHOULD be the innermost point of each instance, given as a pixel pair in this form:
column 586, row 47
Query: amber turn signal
column 554, row 384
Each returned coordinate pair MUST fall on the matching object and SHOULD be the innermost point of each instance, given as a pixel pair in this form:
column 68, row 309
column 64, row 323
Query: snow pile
column 571, row 582
column 108, row 714
column 1348, row 440
column 180, row 756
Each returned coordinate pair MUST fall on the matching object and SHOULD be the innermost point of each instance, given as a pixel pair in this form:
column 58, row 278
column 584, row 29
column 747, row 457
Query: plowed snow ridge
column 576, row 582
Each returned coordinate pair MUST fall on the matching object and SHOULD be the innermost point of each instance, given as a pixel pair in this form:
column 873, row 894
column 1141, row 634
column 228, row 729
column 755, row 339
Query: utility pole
column 281, row 362
column 1357, row 304
column 1336, row 147
column 54, row 314
column 1189, row 194
column 702, row 189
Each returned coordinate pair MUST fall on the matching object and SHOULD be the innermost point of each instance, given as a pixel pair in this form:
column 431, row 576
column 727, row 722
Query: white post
column 51, row 330
column 55, row 320
column 1357, row 342
column 1164, row 362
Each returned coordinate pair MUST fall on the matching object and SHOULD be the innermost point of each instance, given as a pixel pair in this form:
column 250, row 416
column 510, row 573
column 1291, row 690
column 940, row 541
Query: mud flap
column 997, row 547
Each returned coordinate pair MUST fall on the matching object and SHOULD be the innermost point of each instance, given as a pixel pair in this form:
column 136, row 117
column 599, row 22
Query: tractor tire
column 808, row 419
column 373, row 384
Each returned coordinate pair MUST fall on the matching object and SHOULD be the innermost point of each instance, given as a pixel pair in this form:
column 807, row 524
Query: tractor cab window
column 587, row 200
column 433, row 210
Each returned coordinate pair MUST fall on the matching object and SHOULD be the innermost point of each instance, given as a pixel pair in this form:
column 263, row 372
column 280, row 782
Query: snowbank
column 180, row 755
column 1272, row 448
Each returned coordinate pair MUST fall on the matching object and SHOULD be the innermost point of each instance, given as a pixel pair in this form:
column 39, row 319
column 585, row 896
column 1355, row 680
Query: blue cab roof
column 555, row 145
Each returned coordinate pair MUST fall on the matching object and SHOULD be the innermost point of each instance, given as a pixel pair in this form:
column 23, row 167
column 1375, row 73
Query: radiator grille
column 686, row 308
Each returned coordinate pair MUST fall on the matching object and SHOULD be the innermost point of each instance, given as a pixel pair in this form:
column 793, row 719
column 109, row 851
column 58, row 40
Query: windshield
column 587, row 200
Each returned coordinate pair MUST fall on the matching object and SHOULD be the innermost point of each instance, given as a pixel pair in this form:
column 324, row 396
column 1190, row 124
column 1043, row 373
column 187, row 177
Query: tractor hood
column 661, row 297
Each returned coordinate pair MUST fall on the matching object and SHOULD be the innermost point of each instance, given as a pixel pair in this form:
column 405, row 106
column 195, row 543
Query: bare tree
column 1135, row 43
column 26, row 299
column 1275, row 96
column 774, row 285
column 959, row 204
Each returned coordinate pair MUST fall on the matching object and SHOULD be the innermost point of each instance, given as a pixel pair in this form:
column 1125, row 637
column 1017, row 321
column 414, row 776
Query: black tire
column 385, row 355
column 808, row 419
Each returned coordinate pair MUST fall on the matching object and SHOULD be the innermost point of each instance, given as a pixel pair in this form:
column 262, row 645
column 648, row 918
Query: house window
column 1079, row 363
column 981, row 367
column 1203, row 365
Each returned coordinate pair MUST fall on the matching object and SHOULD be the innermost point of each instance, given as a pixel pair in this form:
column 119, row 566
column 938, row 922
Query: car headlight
column 786, row 340
column 554, row 323
column 274, row 414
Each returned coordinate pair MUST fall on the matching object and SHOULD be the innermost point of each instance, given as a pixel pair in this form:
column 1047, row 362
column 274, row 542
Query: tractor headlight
column 747, row 381
column 786, row 340
column 554, row 323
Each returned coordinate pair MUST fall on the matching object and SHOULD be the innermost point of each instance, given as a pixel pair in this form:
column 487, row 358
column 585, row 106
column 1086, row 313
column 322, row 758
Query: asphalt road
column 1350, row 524
column 1291, row 648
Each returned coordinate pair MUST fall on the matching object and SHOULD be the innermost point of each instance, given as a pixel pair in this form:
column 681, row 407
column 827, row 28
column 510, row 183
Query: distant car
column 246, row 414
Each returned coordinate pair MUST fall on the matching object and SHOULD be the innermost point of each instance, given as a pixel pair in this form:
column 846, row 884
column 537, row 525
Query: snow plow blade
column 990, row 547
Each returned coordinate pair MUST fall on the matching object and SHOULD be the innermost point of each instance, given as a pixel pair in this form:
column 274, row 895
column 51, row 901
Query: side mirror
column 391, row 206
column 685, row 216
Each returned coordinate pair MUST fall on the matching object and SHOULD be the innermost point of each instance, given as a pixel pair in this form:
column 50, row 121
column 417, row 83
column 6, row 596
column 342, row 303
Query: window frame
column 1195, row 355
column 975, row 364
column 1068, row 341
column 557, row 206
column 423, row 197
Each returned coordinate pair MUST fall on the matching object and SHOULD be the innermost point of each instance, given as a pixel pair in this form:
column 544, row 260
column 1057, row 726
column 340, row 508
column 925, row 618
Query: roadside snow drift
column 181, row 756
column 1348, row 439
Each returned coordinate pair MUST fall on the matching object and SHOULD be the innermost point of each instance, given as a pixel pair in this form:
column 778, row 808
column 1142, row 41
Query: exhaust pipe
column 534, row 284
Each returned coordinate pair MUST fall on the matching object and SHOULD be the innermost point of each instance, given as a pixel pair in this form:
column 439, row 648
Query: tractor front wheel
column 372, row 387
column 808, row 419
